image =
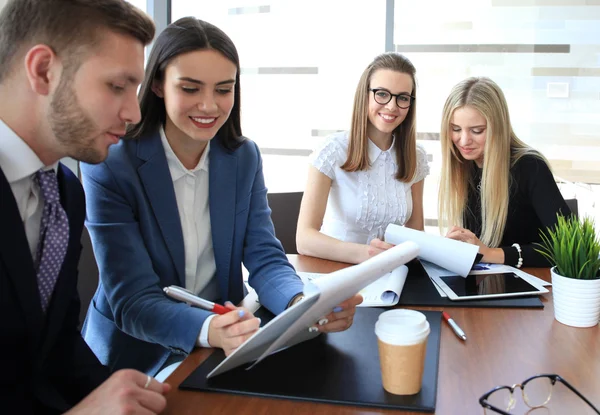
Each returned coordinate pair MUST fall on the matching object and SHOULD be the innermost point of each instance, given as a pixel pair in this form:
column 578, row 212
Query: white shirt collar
column 375, row 152
column 17, row 159
column 176, row 167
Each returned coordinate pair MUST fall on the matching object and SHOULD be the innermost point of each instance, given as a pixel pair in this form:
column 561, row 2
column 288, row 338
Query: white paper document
column 322, row 295
column 452, row 255
column 385, row 291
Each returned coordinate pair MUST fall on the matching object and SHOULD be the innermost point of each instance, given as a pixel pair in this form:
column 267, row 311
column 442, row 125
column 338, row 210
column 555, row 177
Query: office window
column 545, row 55
column 140, row 4
column 301, row 61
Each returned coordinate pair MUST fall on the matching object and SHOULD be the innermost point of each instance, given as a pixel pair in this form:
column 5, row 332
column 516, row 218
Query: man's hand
column 125, row 392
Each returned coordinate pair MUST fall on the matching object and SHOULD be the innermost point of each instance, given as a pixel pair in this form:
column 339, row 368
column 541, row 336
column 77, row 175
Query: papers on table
column 441, row 256
column 322, row 295
column 449, row 254
column 385, row 291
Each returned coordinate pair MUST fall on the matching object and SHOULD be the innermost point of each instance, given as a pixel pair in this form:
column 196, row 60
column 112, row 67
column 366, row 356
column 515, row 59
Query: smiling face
column 91, row 107
column 469, row 130
column 384, row 119
column 198, row 90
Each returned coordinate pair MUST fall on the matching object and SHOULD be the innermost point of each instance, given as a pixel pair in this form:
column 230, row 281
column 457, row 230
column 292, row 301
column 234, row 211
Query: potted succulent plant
column 573, row 248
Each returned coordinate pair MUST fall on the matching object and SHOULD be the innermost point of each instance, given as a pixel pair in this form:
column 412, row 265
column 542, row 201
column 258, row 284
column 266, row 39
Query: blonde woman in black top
column 496, row 192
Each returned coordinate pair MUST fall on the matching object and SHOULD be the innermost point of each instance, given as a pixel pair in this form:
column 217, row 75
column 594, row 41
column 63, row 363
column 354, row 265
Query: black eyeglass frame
column 376, row 90
column 553, row 378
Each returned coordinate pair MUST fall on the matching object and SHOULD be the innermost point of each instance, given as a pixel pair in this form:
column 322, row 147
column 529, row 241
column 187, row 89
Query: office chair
column 88, row 275
column 572, row 204
column 285, row 208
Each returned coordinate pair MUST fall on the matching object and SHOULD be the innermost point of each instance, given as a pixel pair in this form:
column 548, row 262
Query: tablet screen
column 501, row 283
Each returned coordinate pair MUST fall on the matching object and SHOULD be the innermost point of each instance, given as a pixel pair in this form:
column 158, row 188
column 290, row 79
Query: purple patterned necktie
column 54, row 236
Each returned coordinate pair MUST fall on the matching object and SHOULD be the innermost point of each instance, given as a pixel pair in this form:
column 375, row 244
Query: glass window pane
column 301, row 61
column 544, row 56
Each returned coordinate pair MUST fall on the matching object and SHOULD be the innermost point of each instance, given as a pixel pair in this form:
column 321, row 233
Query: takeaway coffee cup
column 402, row 339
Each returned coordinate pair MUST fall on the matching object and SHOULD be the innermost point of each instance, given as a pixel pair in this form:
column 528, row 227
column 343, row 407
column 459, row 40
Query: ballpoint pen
column 457, row 330
column 182, row 294
column 480, row 267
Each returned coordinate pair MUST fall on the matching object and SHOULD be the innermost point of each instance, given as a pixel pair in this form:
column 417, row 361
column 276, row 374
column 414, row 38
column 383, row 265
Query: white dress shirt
column 19, row 164
column 362, row 204
column 191, row 193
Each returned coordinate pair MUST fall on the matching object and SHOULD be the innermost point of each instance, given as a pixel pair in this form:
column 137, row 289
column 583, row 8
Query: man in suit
column 69, row 70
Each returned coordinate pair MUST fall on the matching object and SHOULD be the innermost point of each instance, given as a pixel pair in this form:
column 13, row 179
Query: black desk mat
column 419, row 291
column 341, row 368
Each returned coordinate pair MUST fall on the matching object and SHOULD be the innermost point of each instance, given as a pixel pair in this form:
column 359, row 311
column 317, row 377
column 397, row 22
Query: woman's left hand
column 377, row 246
column 465, row 235
column 341, row 317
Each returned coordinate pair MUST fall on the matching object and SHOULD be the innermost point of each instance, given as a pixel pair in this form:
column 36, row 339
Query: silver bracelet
column 520, row 261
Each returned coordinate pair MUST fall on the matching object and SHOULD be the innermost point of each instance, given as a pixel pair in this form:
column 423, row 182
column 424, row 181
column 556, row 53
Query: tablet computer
column 322, row 295
column 488, row 285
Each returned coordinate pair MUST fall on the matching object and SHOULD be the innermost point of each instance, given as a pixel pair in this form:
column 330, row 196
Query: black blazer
column 46, row 365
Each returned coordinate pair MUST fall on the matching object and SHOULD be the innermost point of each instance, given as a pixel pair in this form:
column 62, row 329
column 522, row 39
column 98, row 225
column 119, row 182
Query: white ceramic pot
column 576, row 302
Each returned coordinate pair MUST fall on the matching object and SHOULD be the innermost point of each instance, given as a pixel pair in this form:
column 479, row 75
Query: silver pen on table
column 457, row 330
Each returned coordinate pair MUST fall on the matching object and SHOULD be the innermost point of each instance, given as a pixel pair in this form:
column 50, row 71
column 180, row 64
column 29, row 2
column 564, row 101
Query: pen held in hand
column 457, row 330
column 184, row 295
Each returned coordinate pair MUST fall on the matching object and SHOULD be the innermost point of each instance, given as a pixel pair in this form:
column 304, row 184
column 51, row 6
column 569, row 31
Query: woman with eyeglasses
column 182, row 201
column 362, row 180
column 496, row 191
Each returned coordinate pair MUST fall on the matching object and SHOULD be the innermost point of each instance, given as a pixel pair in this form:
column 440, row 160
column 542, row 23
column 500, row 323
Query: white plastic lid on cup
column 402, row 327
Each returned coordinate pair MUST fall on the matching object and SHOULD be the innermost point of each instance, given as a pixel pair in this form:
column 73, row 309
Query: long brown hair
column 405, row 134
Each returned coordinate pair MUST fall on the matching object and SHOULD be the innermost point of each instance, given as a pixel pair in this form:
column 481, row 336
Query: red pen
column 457, row 330
column 184, row 295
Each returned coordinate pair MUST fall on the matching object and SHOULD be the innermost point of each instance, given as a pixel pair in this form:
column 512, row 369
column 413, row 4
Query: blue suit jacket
column 46, row 365
column 134, row 225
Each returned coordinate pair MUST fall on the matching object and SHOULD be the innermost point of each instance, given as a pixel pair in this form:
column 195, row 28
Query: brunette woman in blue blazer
column 182, row 201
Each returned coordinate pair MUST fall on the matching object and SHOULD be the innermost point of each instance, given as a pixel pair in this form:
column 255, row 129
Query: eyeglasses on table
column 536, row 392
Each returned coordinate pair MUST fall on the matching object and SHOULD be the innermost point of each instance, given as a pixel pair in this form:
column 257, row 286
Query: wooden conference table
column 505, row 346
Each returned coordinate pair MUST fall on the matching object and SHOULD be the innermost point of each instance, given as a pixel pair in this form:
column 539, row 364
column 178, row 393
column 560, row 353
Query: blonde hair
column 502, row 150
column 405, row 134
column 491, row 284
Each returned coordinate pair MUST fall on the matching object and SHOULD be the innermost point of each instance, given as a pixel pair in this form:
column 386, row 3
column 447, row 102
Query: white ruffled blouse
column 361, row 204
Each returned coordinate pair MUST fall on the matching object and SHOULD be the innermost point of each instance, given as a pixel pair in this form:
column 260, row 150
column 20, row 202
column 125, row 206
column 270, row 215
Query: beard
column 73, row 128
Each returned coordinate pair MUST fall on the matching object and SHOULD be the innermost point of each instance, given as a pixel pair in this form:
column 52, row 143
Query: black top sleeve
column 540, row 200
column 533, row 206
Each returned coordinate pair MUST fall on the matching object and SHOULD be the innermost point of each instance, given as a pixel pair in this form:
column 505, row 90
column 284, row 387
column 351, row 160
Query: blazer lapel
column 157, row 182
column 16, row 256
column 221, row 199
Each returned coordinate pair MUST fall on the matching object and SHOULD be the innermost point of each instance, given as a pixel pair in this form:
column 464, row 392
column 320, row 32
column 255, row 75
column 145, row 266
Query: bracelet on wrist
column 520, row 261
